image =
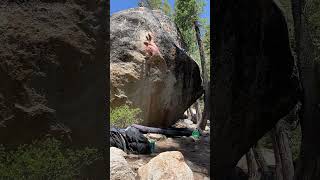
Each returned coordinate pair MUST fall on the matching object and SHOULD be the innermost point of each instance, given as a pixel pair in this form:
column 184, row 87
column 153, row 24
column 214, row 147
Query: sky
column 118, row 5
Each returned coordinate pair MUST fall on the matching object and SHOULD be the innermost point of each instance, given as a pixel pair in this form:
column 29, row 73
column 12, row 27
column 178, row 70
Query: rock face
column 166, row 166
column 52, row 70
column 119, row 167
column 149, row 68
column 254, row 84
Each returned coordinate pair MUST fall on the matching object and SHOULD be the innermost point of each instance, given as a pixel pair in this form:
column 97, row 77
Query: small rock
column 207, row 128
column 187, row 121
column 119, row 167
column 166, row 166
column 170, row 139
column 188, row 139
column 195, row 139
column 193, row 111
column 155, row 136
column 192, row 126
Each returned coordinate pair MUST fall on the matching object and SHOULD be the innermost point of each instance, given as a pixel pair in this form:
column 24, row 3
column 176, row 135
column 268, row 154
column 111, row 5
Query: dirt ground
column 196, row 152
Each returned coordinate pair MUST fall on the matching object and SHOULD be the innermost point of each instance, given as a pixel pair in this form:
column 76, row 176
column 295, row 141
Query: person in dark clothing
column 132, row 139
column 129, row 140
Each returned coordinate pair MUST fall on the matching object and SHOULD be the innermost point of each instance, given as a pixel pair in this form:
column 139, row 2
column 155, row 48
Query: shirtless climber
column 153, row 54
column 151, row 48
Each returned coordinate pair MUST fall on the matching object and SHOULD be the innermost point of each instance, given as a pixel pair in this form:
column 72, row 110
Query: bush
column 295, row 142
column 313, row 17
column 124, row 116
column 46, row 159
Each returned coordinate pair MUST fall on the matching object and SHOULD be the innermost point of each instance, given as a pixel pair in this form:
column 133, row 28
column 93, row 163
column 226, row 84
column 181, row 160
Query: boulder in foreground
column 119, row 167
column 166, row 166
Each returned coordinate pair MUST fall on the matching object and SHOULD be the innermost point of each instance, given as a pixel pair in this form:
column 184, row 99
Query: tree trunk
column 193, row 116
column 309, row 69
column 198, row 110
column 262, row 164
column 189, row 114
column 253, row 170
column 282, row 152
column 276, row 151
column 203, row 121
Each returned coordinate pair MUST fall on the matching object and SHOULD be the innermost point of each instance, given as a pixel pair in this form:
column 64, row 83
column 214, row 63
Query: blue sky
column 118, row 5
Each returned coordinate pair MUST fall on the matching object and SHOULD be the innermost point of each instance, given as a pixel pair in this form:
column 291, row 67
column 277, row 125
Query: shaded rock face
column 306, row 15
column 148, row 68
column 253, row 83
column 52, row 70
column 167, row 165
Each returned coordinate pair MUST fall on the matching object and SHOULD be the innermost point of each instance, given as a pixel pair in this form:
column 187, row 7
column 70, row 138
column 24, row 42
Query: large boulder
column 52, row 70
column 149, row 68
column 165, row 166
column 254, row 82
column 119, row 167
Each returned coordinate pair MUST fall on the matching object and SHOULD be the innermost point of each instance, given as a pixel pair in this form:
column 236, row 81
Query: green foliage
column 186, row 13
column 124, row 116
column 295, row 142
column 206, row 40
column 46, row 159
column 312, row 14
column 206, row 46
column 157, row 5
column 166, row 8
column 151, row 4
column 312, row 11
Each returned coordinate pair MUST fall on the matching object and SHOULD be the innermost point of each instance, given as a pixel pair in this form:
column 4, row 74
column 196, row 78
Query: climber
column 151, row 48
column 154, row 56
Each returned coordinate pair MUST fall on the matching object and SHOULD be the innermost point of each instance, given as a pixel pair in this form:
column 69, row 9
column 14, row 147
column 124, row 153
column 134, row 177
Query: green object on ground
column 152, row 145
column 195, row 134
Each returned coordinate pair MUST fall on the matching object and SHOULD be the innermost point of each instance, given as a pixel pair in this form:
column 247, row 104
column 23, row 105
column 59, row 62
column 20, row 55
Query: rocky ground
column 196, row 152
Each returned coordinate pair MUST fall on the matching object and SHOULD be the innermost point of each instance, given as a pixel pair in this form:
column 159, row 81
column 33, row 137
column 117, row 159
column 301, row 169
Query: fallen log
column 164, row 131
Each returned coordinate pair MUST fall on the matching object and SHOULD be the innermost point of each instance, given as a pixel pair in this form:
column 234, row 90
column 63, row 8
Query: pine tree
column 206, row 44
column 186, row 13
